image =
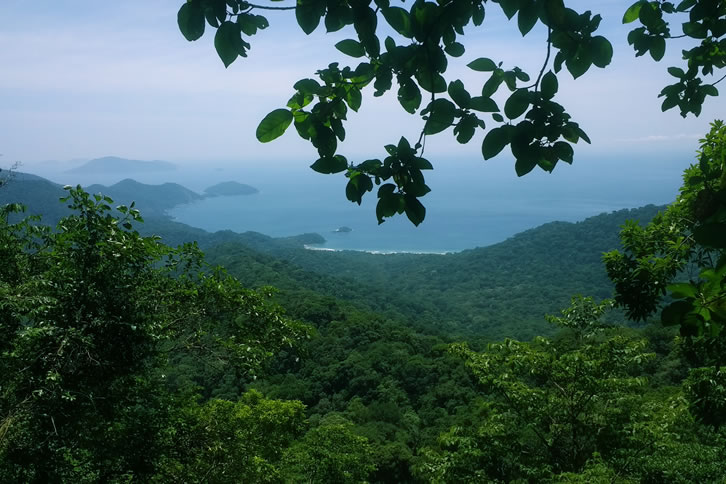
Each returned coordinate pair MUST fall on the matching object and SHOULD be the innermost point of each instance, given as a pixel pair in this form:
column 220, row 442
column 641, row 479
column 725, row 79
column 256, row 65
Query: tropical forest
column 141, row 343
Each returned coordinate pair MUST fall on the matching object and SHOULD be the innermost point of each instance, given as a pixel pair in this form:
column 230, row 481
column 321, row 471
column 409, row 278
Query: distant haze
column 114, row 164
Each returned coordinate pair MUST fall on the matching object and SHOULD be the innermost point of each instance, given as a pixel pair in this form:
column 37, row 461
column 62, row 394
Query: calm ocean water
column 463, row 211
column 472, row 203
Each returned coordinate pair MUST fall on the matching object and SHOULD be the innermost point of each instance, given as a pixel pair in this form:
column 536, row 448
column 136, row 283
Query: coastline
column 380, row 252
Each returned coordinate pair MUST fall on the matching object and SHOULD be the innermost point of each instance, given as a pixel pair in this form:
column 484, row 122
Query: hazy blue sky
column 88, row 78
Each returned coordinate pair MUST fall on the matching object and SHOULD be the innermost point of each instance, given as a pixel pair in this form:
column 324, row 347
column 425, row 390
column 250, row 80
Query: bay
column 462, row 212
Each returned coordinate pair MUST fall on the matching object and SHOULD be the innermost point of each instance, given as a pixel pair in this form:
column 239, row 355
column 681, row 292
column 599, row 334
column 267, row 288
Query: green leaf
column 491, row 86
column 649, row 14
column 633, row 12
column 669, row 103
column 682, row 290
column 709, row 90
column 227, row 42
column 330, row 164
column 441, row 116
column 477, row 17
column 273, row 125
column 695, row 29
column 389, row 203
column 524, row 166
column 404, row 147
column 422, row 164
column 676, row 72
column 601, row 51
column 308, row 14
column 432, row 82
column 415, row 211
column 455, row 49
column 528, row 15
column 556, row 12
column 465, row 128
column 249, row 24
column 191, row 21
column 517, row 104
column 583, row 135
column 351, row 47
column 211, row 17
column 354, row 98
column 409, row 95
column 564, row 151
column 675, row 313
column 307, row 86
column 494, row 142
column 549, row 85
column 711, row 235
column 509, row 7
column 459, row 94
column 357, row 187
column 400, row 20
column 260, row 21
column 579, row 64
column 482, row 64
column 483, row 104
column 324, row 140
column 657, row 48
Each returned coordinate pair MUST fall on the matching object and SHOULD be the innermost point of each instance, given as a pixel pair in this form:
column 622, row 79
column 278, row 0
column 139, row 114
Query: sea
column 471, row 204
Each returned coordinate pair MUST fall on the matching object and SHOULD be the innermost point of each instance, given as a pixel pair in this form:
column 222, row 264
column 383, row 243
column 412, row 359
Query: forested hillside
column 358, row 381
column 491, row 292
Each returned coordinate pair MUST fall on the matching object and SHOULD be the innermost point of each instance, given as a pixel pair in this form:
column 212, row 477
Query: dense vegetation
column 123, row 359
column 126, row 359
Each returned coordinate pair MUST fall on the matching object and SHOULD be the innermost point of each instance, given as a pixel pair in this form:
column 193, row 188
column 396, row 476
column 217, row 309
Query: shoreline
column 379, row 252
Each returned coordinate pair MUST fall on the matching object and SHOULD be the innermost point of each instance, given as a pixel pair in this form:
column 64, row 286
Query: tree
column 557, row 413
column 538, row 130
column 230, row 442
column 682, row 253
column 331, row 452
column 91, row 313
column 677, row 264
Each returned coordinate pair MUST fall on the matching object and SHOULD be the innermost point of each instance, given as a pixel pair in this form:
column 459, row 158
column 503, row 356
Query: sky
column 86, row 78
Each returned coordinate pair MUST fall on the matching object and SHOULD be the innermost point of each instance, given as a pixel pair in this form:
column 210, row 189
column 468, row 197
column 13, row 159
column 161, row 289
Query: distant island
column 151, row 199
column 230, row 188
column 342, row 230
column 114, row 164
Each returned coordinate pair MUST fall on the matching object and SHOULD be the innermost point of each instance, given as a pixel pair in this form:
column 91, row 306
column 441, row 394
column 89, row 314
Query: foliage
column 681, row 253
column 222, row 441
column 703, row 23
column 331, row 452
column 559, row 413
column 554, row 409
column 706, row 395
column 91, row 313
column 583, row 316
column 419, row 41
column 490, row 292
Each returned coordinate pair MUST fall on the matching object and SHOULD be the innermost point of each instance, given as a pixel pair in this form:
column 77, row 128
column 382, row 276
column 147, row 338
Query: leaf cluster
column 701, row 21
column 690, row 236
column 426, row 35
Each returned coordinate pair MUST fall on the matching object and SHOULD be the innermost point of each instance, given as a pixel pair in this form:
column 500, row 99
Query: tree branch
column 547, row 58
column 251, row 6
column 724, row 77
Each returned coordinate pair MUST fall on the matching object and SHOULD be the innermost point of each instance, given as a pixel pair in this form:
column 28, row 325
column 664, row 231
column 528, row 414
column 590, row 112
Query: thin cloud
column 656, row 138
